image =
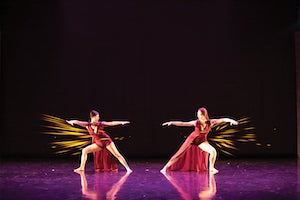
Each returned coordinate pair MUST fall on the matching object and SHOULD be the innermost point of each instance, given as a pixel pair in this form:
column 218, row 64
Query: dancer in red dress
column 100, row 142
column 193, row 154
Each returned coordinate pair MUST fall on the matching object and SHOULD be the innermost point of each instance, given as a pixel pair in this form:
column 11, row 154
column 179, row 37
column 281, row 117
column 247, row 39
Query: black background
column 148, row 62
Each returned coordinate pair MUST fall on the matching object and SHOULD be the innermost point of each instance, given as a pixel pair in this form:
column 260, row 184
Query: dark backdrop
column 149, row 62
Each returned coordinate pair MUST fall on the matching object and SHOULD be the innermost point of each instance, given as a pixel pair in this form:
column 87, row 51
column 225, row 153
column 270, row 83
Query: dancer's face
column 200, row 116
column 95, row 118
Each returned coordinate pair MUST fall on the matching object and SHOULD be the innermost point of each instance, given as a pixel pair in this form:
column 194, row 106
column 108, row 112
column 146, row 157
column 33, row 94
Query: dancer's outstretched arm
column 180, row 123
column 115, row 123
column 221, row 120
column 80, row 123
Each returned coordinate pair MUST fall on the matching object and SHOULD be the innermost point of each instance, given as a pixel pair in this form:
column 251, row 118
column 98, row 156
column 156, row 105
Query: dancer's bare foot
column 213, row 170
column 78, row 170
column 163, row 170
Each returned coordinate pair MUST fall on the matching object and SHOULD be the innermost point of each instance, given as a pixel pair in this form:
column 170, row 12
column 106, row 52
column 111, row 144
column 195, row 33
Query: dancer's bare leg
column 89, row 149
column 113, row 149
column 205, row 146
column 185, row 146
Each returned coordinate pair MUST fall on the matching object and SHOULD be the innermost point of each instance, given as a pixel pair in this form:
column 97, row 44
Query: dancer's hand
column 233, row 122
column 125, row 122
column 70, row 122
column 167, row 124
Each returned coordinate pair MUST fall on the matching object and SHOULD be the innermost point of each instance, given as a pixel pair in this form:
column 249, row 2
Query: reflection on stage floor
column 237, row 179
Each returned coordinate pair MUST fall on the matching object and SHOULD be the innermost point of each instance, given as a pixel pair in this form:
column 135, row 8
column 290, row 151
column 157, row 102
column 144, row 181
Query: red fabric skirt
column 104, row 161
column 193, row 159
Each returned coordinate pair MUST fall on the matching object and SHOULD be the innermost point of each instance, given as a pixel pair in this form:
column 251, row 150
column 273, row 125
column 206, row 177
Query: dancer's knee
column 85, row 151
column 213, row 153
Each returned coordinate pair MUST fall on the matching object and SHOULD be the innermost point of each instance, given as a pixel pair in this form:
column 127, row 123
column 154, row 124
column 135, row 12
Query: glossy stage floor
column 237, row 179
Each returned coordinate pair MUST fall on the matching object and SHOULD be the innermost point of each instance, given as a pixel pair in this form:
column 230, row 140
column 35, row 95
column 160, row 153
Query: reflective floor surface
column 237, row 179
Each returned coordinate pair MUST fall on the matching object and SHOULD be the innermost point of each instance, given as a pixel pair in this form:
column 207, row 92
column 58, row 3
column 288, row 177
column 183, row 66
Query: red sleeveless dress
column 193, row 159
column 104, row 161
